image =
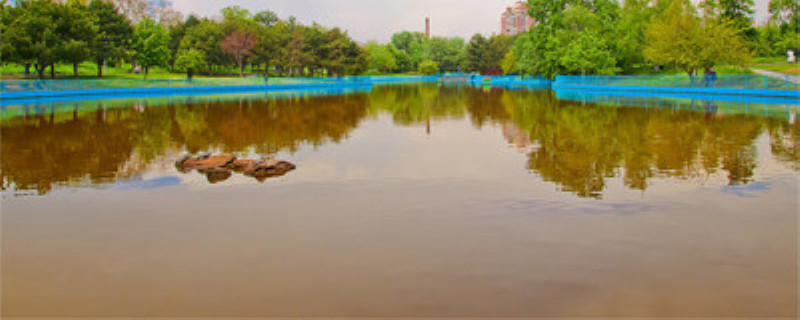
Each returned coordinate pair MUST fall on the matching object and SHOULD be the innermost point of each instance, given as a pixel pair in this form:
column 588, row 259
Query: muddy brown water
column 417, row 201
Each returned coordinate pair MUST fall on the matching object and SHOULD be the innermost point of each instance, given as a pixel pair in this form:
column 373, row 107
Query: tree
column 176, row 34
column 190, row 60
column 343, row 55
column 266, row 18
column 582, row 47
column 785, row 13
column 206, row 37
column 739, row 12
column 499, row 47
column 428, row 67
column 239, row 46
column 628, row 38
column 509, row 63
column 540, row 50
column 151, row 44
column 682, row 39
column 447, row 53
column 412, row 46
column 381, row 58
column 33, row 35
column 477, row 53
column 77, row 28
column 114, row 32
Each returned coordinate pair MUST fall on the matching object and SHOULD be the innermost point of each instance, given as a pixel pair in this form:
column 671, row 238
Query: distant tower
column 427, row 27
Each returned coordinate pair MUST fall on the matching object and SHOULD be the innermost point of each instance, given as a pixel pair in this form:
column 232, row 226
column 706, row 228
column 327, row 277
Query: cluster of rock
column 220, row 167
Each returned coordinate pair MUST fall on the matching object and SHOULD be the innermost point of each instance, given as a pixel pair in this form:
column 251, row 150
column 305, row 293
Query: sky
column 378, row 19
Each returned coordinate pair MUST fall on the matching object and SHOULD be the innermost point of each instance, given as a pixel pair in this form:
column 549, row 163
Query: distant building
column 427, row 28
column 515, row 19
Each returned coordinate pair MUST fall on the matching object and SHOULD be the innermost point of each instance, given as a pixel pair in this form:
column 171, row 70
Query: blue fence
column 787, row 86
column 760, row 106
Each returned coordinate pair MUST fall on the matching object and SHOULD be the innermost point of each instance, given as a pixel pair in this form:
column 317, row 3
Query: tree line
column 604, row 37
column 569, row 37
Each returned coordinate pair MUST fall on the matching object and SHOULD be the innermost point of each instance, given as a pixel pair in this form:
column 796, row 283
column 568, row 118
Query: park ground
column 88, row 70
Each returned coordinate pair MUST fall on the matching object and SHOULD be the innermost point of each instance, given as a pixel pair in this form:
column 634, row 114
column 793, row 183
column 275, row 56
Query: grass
column 782, row 67
column 88, row 70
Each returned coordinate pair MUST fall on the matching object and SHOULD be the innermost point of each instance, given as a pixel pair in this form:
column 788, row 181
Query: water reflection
column 105, row 144
column 574, row 144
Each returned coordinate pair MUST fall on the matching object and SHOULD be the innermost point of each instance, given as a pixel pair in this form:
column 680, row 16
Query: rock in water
column 242, row 165
column 218, row 168
column 269, row 168
column 217, row 175
column 216, row 161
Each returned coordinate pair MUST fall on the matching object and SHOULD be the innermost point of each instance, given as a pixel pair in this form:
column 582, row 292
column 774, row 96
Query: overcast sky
column 379, row 19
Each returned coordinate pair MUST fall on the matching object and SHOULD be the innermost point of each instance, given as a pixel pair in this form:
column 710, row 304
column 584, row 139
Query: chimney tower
column 427, row 28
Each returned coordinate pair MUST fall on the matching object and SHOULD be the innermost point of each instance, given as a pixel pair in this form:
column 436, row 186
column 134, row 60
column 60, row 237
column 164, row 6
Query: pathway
column 778, row 75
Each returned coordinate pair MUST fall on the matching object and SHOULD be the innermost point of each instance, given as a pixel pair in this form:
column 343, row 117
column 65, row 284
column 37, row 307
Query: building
column 427, row 28
column 515, row 19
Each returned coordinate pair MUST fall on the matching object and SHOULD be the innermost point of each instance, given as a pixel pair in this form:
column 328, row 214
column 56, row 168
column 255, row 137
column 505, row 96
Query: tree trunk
column 99, row 68
column 75, row 69
column 53, row 70
column 241, row 69
column 189, row 73
column 146, row 69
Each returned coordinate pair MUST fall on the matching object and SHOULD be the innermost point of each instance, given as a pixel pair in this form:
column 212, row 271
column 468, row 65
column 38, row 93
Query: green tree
column 680, row 38
column 413, row 45
column 629, row 34
column 428, row 67
column 448, row 53
column 151, row 44
column 190, row 60
column 381, row 58
column 786, row 13
column 477, row 54
column 582, row 45
column 33, row 34
column 206, row 37
column 176, row 34
column 539, row 51
column 77, row 28
column 499, row 47
column 343, row 55
column 114, row 33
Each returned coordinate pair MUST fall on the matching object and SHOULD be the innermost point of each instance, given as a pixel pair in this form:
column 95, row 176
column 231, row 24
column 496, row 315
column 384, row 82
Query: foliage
column 563, row 27
column 78, row 29
column 114, row 32
column 190, row 60
column 785, row 13
column 428, row 67
column 447, row 53
column 151, row 42
column 239, row 45
column 411, row 46
column 381, row 57
column 681, row 38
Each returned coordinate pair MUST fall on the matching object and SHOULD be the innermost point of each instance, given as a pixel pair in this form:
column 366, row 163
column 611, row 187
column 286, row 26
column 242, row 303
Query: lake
column 413, row 200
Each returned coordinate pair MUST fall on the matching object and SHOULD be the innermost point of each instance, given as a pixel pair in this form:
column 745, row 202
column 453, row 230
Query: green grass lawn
column 89, row 70
column 782, row 67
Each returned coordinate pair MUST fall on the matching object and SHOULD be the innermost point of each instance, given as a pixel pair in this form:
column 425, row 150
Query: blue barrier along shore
column 36, row 89
column 727, row 85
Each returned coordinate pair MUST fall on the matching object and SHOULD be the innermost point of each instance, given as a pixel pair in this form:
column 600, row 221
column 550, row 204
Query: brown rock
column 217, row 175
column 241, row 165
column 269, row 168
column 215, row 161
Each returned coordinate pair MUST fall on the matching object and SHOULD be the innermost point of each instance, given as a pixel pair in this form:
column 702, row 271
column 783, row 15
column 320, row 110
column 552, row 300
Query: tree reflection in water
column 574, row 145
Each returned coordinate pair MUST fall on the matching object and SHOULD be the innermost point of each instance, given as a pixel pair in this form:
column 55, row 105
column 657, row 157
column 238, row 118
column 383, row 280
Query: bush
column 428, row 67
